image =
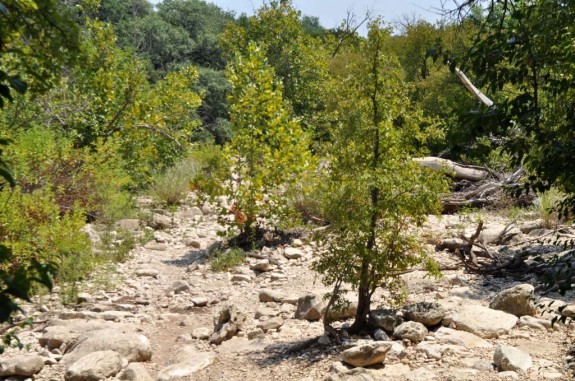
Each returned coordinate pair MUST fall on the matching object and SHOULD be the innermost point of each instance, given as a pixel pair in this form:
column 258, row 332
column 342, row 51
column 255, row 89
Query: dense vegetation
column 102, row 100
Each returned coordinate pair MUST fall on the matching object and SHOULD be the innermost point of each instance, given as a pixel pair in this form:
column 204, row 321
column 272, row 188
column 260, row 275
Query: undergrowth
column 227, row 260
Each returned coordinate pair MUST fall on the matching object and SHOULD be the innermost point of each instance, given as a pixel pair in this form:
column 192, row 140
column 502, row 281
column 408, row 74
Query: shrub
column 228, row 259
column 194, row 172
column 546, row 206
column 32, row 227
column 92, row 180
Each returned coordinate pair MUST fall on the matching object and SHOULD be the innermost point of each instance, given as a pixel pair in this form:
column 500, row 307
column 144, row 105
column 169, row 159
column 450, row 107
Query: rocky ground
column 166, row 315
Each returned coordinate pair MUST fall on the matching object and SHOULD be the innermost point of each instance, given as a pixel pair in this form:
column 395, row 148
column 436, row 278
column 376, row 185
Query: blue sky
column 332, row 12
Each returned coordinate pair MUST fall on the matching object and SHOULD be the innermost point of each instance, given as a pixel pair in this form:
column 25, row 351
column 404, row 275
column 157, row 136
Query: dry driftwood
column 458, row 171
column 481, row 193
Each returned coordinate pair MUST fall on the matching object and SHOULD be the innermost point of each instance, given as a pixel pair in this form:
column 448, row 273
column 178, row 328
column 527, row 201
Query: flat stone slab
column 465, row 339
column 481, row 321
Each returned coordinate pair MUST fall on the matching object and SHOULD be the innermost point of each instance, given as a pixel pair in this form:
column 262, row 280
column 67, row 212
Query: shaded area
column 305, row 352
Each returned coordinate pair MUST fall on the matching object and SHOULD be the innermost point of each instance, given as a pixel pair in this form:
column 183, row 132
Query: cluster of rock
column 270, row 298
column 434, row 331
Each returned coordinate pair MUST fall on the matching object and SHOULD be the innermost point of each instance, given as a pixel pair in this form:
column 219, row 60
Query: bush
column 194, row 172
column 91, row 180
column 228, row 260
column 32, row 227
column 546, row 206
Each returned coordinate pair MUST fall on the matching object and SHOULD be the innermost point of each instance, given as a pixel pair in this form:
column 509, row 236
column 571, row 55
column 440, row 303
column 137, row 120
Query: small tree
column 268, row 151
column 376, row 194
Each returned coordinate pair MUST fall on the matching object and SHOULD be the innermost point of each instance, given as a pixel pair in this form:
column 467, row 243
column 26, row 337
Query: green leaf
column 18, row 84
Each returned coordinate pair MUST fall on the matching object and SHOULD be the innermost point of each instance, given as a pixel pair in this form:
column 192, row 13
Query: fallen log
column 458, row 171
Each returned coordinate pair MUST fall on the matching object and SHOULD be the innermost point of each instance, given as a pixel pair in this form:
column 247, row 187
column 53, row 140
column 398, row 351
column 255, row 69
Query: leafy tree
column 109, row 100
column 37, row 38
column 268, row 151
column 375, row 193
column 312, row 27
column 214, row 87
column 203, row 22
column 524, row 56
column 298, row 59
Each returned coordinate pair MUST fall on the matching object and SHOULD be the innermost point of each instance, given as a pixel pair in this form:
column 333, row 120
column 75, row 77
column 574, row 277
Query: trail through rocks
column 168, row 316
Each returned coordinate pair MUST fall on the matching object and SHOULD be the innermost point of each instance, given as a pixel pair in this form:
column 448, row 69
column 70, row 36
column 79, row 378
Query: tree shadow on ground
column 307, row 352
column 199, row 256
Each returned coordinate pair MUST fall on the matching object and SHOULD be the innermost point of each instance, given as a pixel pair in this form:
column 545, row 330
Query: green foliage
column 108, row 103
column 227, row 260
column 35, row 231
column 436, row 90
column 376, row 193
column 17, row 280
column 78, row 179
column 524, row 56
column 546, row 207
column 37, row 38
column 173, row 185
column 214, row 88
column 299, row 60
column 269, row 149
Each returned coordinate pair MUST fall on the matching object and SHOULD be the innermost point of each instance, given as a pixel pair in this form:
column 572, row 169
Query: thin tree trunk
column 364, row 294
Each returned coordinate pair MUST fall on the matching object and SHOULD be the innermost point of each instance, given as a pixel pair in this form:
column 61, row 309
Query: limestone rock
column 270, row 324
column 310, row 307
column 227, row 323
column 356, row 374
column 397, row 351
column 193, row 243
column 130, row 224
column 262, row 265
column 186, row 362
column 516, row 300
column 347, row 311
column 160, row 222
column 568, row 311
column 386, row 319
column 293, row 253
column 133, row 346
column 276, row 296
column 136, row 372
column 431, row 351
column 193, row 212
column 380, row 335
column 157, row 246
column 200, row 301
column 510, row 358
column 427, row 313
column 201, row 333
column 147, row 272
column 420, row 374
column 411, row 330
column 367, row 354
column 178, row 287
column 465, row 339
column 527, row 227
column 92, row 233
column 240, row 278
column 59, row 332
column 26, row 365
column 533, row 322
column 481, row 321
column 96, row 366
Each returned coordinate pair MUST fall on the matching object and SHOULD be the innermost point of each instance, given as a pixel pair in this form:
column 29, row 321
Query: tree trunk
column 363, row 302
